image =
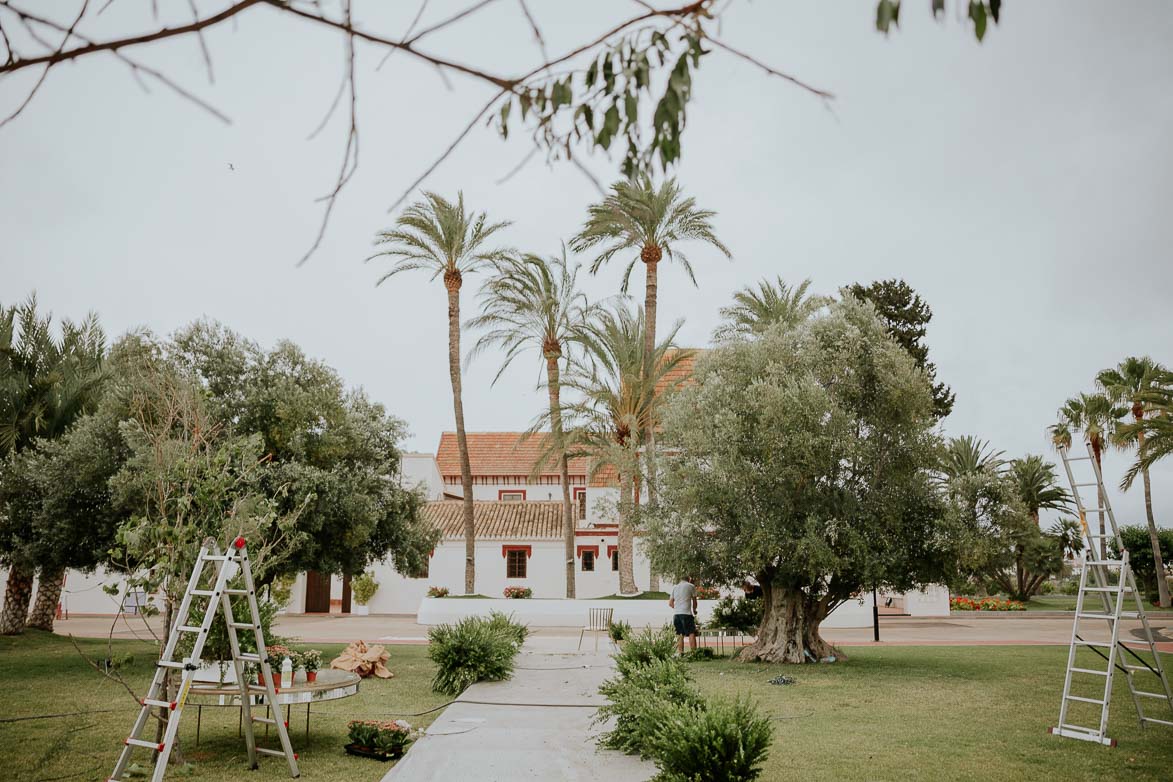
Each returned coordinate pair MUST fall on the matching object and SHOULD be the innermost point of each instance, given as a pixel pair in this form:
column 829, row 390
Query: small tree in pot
column 362, row 589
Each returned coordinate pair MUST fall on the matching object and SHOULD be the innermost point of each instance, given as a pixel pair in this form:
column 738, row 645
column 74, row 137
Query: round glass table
column 330, row 685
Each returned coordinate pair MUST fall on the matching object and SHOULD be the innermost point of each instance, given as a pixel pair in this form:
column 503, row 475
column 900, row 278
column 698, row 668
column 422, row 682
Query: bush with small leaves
column 469, row 651
column 720, row 741
column 619, row 631
column 504, row 623
column 638, row 700
column 437, row 591
column 646, row 648
column 739, row 615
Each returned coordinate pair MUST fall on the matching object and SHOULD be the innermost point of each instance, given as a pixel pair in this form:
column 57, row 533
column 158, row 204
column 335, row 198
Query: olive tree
column 804, row 460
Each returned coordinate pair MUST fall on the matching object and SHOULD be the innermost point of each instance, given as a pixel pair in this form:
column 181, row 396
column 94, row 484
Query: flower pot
column 311, row 676
column 357, row 610
column 369, row 752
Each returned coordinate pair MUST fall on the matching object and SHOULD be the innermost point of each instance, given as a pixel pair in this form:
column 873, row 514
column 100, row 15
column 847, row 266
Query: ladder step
column 1128, row 667
column 161, row 704
column 1077, row 458
column 170, row 664
column 1103, row 644
column 1109, row 617
column 1090, row 670
column 1081, row 733
column 249, row 657
column 1081, row 699
column 157, row 746
column 189, row 629
column 236, row 592
column 1105, row 563
column 202, row 592
column 1160, row 695
column 243, row 626
column 274, row 753
column 1157, row 721
column 1081, row 485
column 1107, row 589
column 216, row 557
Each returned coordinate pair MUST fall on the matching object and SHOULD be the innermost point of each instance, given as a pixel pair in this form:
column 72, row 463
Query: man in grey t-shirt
column 683, row 605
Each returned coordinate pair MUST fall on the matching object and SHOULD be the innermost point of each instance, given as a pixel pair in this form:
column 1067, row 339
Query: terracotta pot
column 311, row 676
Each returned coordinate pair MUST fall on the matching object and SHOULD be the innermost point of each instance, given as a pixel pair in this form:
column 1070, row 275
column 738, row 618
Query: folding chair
column 598, row 621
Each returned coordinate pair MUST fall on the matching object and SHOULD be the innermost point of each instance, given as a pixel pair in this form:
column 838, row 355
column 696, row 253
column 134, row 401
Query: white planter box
column 357, row 610
column 216, row 671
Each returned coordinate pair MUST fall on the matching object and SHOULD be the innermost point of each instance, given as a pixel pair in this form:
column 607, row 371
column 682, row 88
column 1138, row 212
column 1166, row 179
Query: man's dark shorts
column 685, row 624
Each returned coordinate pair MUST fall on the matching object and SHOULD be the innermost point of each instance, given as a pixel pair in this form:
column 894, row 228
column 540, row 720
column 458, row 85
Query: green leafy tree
column 1131, row 384
column 531, row 303
column 650, row 223
column 805, row 460
column 442, row 237
column 616, row 402
column 907, row 317
column 46, row 383
column 755, row 310
column 1095, row 415
column 1140, row 556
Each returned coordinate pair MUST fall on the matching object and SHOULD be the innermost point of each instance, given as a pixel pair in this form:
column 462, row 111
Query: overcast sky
column 1023, row 186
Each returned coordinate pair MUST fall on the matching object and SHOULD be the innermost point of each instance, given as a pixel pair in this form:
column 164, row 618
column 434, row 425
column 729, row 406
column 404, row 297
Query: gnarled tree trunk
column 790, row 627
column 16, row 599
column 554, row 383
column 452, row 283
column 48, row 596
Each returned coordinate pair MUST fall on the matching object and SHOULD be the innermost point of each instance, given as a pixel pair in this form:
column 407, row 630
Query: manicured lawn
column 640, row 596
column 929, row 713
column 1067, row 603
column 43, row 674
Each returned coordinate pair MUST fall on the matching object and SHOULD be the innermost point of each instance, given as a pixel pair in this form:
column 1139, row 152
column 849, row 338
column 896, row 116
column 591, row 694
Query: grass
column 43, row 674
column 927, row 713
column 1055, row 602
column 640, row 596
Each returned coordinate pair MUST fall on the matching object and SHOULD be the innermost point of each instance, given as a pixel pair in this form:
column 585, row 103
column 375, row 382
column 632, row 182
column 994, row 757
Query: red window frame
column 502, row 492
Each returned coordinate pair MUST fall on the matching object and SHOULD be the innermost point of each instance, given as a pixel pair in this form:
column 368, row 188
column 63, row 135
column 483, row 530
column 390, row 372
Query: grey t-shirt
column 682, row 596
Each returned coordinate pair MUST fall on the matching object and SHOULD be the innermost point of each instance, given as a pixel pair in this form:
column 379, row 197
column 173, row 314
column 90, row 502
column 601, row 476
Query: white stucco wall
column 419, row 470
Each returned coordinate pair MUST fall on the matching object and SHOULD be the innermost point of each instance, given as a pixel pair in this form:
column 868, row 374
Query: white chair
column 598, row 621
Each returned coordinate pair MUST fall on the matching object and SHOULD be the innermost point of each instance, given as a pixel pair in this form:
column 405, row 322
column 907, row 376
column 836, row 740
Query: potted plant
column 362, row 589
column 518, row 593
column 437, row 591
column 378, row 740
column 311, row 660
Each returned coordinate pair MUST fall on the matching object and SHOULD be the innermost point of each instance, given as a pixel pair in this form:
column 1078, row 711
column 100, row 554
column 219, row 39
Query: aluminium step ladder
column 227, row 566
column 1106, row 582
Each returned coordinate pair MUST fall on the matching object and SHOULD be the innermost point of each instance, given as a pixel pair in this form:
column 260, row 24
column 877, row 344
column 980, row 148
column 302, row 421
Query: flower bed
column 519, row 593
column 378, row 740
column 984, row 604
column 437, row 591
column 707, row 593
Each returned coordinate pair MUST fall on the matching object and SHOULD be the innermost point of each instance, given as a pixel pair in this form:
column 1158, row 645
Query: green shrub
column 700, row 654
column 1047, row 588
column 646, row 648
column 619, row 631
column 503, row 623
column 363, row 587
column 722, row 741
column 1070, row 586
column 741, row 615
column 638, row 701
column 469, row 651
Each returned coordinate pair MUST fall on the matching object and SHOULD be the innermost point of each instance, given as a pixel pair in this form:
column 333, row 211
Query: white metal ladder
column 1105, row 582
column 227, row 567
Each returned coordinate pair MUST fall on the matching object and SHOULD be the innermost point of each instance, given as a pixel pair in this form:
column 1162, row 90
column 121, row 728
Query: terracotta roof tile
column 528, row 520
column 499, row 453
column 681, row 374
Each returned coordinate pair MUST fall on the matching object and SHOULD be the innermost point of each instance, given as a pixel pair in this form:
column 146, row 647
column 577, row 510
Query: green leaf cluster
column 473, row 650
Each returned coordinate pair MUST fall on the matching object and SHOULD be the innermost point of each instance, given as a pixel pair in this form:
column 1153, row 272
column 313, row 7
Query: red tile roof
column 527, row 520
column 680, row 374
column 499, row 453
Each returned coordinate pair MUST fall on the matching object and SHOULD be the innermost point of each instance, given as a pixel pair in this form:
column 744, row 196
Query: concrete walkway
column 512, row 741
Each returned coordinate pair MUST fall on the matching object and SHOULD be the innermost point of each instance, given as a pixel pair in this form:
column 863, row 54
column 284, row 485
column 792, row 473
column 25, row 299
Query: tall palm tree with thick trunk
column 755, row 310
column 442, row 237
column 616, row 403
column 1095, row 415
column 1130, row 384
column 533, row 304
column 654, row 221
column 46, row 384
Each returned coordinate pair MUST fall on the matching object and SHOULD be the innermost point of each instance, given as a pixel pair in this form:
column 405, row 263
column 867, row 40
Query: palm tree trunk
column 626, row 537
column 651, row 298
column 48, row 595
column 1159, row 564
column 452, row 282
column 1100, row 497
column 16, row 599
column 554, row 382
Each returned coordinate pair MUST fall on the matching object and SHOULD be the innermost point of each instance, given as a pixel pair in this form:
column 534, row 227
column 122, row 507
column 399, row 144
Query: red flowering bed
column 984, row 604
column 707, row 593
column 518, row 593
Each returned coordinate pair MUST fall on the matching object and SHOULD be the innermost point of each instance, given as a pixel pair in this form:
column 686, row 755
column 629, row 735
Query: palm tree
column 618, row 402
column 440, row 236
column 531, row 303
column 1129, row 385
column 45, row 385
column 754, row 311
column 636, row 215
column 1095, row 415
column 969, row 456
column 1037, row 487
